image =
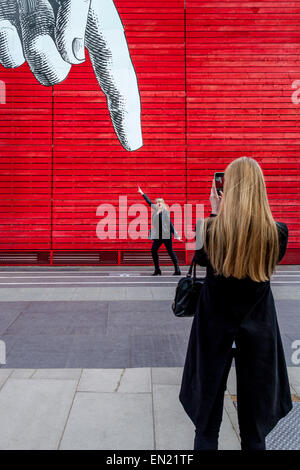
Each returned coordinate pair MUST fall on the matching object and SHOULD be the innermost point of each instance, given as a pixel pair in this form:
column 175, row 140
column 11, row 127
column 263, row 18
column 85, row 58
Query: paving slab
column 167, row 375
column 87, row 294
column 109, row 293
column 58, row 374
column 231, row 381
column 173, row 428
column 136, row 380
column 232, row 414
column 34, row 412
column 19, row 294
column 286, row 292
column 100, row 380
column 228, row 439
column 109, row 421
column 4, row 374
column 22, row 373
column 294, row 377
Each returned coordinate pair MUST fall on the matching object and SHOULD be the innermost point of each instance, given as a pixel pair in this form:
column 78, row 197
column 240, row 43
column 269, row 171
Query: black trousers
column 168, row 242
column 208, row 439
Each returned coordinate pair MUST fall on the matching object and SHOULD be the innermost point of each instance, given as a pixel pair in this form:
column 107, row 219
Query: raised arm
column 147, row 199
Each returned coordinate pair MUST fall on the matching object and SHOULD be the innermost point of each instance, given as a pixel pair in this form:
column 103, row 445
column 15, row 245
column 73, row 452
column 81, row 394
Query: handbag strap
column 192, row 269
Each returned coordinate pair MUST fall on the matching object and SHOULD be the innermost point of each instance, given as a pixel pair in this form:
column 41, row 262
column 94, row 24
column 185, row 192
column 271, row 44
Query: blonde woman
column 161, row 232
column 241, row 246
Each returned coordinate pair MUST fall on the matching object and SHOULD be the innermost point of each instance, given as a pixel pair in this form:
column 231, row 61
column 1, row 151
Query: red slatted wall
column 25, row 162
column 242, row 58
column 90, row 166
column 223, row 71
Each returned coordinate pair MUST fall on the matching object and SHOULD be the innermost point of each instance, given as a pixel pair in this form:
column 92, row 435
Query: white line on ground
column 124, row 270
column 112, row 282
column 113, row 276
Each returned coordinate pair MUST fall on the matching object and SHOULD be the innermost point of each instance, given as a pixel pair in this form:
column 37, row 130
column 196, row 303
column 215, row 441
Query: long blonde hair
column 243, row 237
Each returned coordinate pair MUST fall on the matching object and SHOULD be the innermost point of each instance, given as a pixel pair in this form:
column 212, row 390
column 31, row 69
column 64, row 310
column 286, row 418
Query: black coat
column 243, row 311
column 161, row 224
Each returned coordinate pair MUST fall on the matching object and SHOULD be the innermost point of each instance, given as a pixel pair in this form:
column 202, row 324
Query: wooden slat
column 242, row 58
column 90, row 167
column 216, row 77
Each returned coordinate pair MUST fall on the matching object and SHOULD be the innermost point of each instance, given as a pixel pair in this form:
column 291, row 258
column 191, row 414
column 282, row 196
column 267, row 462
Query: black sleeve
column 147, row 199
column 200, row 256
column 172, row 230
column 283, row 235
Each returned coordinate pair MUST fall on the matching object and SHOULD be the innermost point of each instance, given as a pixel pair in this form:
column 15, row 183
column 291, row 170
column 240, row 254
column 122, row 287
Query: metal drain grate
column 24, row 257
column 142, row 258
column 85, row 257
column 286, row 435
column 145, row 258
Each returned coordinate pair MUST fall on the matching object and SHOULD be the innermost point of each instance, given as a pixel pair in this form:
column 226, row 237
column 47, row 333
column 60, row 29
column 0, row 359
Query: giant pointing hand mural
column 51, row 36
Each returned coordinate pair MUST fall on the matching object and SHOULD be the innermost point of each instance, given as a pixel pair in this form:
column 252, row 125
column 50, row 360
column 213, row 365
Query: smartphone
column 219, row 180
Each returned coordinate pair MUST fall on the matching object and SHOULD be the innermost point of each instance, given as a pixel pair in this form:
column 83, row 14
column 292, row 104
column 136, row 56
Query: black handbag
column 187, row 293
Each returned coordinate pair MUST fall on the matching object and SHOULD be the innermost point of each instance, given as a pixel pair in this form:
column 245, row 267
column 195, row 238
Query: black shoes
column 177, row 271
column 157, row 272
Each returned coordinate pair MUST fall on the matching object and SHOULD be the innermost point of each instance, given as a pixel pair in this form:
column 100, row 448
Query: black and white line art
column 51, row 36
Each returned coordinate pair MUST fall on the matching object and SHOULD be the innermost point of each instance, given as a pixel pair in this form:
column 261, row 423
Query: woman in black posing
column 161, row 232
column 241, row 246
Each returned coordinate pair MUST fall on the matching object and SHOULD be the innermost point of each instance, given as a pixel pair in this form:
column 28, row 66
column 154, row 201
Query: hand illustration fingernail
column 70, row 26
column 78, row 48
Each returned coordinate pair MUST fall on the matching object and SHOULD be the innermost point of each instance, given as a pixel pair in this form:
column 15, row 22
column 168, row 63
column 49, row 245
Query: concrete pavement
column 95, row 356
column 110, row 317
column 115, row 409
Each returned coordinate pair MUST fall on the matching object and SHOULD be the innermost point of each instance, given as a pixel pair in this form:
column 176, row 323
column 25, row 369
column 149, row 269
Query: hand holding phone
column 219, row 182
column 216, row 193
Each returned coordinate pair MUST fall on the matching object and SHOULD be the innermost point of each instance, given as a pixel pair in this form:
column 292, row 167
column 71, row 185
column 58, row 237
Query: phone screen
column 219, row 180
